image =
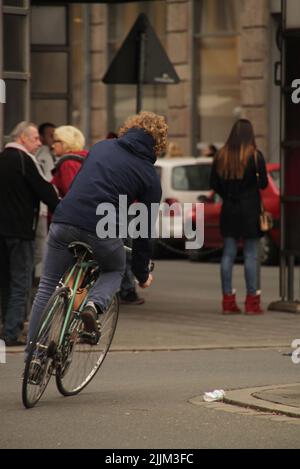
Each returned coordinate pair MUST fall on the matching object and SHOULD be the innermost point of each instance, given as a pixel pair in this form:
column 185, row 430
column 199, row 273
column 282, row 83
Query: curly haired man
column 122, row 166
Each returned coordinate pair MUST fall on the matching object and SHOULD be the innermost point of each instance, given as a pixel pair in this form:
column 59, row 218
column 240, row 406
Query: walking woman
column 238, row 173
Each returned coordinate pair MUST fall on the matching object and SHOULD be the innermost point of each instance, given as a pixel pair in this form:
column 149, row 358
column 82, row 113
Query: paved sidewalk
column 282, row 399
column 182, row 312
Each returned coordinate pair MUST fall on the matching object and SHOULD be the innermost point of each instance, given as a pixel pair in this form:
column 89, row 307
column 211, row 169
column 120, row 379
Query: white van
column 183, row 180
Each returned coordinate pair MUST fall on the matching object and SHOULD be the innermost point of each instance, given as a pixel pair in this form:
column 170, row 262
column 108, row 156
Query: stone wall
column 179, row 96
column 255, row 67
column 254, row 70
column 98, row 57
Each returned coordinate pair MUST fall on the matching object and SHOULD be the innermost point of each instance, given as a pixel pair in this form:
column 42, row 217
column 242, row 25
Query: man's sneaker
column 89, row 318
column 20, row 342
column 131, row 298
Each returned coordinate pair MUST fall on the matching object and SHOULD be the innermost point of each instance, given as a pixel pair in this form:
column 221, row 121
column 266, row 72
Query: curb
column 246, row 398
column 178, row 348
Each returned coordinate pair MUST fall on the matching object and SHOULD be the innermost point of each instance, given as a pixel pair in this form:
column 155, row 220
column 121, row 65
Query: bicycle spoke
column 86, row 358
column 39, row 364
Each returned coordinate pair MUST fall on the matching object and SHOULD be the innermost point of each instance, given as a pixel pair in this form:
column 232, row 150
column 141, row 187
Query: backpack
column 69, row 157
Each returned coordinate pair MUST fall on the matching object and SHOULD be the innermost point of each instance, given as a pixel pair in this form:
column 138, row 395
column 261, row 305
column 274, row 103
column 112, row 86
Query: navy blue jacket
column 123, row 166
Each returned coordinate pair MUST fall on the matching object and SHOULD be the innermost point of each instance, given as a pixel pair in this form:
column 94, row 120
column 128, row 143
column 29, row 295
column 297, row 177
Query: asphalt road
column 142, row 400
column 165, row 354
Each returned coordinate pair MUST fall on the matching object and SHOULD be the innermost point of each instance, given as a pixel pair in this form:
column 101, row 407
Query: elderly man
column 22, row 187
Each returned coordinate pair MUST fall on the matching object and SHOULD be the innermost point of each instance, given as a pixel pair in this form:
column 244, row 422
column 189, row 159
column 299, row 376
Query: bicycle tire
column 85, row 359
column 39, row 356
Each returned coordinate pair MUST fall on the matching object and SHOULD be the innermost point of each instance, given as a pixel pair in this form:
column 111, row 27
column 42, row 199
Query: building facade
column 53, row 59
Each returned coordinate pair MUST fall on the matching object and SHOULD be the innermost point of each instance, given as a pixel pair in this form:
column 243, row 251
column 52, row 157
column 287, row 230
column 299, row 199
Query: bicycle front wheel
column 83, row 360
column 40, row 363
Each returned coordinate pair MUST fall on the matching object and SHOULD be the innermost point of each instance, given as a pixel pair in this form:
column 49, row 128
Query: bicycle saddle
column 78, row 247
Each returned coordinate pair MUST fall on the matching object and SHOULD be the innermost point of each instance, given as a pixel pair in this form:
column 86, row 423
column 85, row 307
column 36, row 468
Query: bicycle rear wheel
column 40, row 362
column 84, row 360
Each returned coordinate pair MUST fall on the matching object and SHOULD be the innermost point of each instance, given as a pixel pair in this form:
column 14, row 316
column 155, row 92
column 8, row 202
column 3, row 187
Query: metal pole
column 193, row 61
column 1, row 74
column 291, row 268
column 86, row 115
column 141, row 71
column 283, row 286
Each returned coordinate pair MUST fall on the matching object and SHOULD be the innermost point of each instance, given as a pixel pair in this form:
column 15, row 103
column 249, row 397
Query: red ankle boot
column 229, row 305
column 252, row 304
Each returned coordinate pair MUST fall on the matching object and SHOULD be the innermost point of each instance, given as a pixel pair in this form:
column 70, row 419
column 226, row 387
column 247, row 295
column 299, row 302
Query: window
column 14, row 57
column 122, row 98
column 49, row 25
column 14, row 3
column 158, row 171
column 217, row 75
column 15, row 21
column 191, row 177
column 15, row 107
column 50, row 64
column 58, row 45
column 50, row 72
column 276, row 177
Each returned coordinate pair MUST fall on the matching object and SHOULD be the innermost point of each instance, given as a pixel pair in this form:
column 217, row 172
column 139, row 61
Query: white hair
column 21, row 128
column 72, row 139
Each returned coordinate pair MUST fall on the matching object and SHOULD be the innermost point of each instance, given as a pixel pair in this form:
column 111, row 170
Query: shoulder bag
column 265, row 218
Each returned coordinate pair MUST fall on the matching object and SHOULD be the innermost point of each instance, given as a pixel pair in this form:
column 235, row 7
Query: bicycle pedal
column 90, row 338
column 51, row 351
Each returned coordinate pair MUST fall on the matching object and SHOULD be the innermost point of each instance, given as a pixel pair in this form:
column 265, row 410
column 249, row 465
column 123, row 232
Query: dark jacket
column 21, row 190
column 241, row 200
column 114, row 167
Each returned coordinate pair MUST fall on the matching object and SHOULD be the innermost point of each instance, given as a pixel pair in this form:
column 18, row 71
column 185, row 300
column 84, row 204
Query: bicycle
column 61, row 347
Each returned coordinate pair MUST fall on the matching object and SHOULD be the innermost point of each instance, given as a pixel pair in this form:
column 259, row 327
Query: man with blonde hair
column 113, row 168
column 22, row 187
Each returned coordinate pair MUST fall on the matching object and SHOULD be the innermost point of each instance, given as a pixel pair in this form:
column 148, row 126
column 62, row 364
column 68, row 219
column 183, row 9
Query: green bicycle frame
column 82, row 268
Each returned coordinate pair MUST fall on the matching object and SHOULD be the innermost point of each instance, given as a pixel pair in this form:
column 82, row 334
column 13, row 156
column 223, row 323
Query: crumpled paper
column 217, row 395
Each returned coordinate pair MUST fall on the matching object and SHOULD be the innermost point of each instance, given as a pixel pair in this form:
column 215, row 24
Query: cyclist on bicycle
column 123, row 166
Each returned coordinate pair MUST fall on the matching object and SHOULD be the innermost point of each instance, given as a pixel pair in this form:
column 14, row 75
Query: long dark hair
column 233, row 157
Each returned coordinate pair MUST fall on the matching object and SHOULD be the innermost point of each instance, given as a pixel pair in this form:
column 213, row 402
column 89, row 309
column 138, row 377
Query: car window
column 276, row 177
column 191, row 177
column 158, row 171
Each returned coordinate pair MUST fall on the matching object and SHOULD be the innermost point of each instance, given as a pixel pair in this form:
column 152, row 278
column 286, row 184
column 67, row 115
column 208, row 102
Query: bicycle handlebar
column 151, row 263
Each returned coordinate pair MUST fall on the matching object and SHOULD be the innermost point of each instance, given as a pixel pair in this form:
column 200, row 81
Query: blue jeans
column 250, row 264
column 16, row 267
column 109, row 253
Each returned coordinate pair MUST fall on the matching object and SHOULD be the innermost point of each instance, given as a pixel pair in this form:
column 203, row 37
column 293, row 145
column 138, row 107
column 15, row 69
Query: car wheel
column 158, row 250
column 269, row 253
column 194, row 255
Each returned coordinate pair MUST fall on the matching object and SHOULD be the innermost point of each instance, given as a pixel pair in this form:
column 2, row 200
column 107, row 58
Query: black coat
column 241, row 200
column 21, row 190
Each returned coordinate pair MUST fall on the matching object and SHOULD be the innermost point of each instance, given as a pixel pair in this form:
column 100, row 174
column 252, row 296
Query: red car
column 213, row 240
